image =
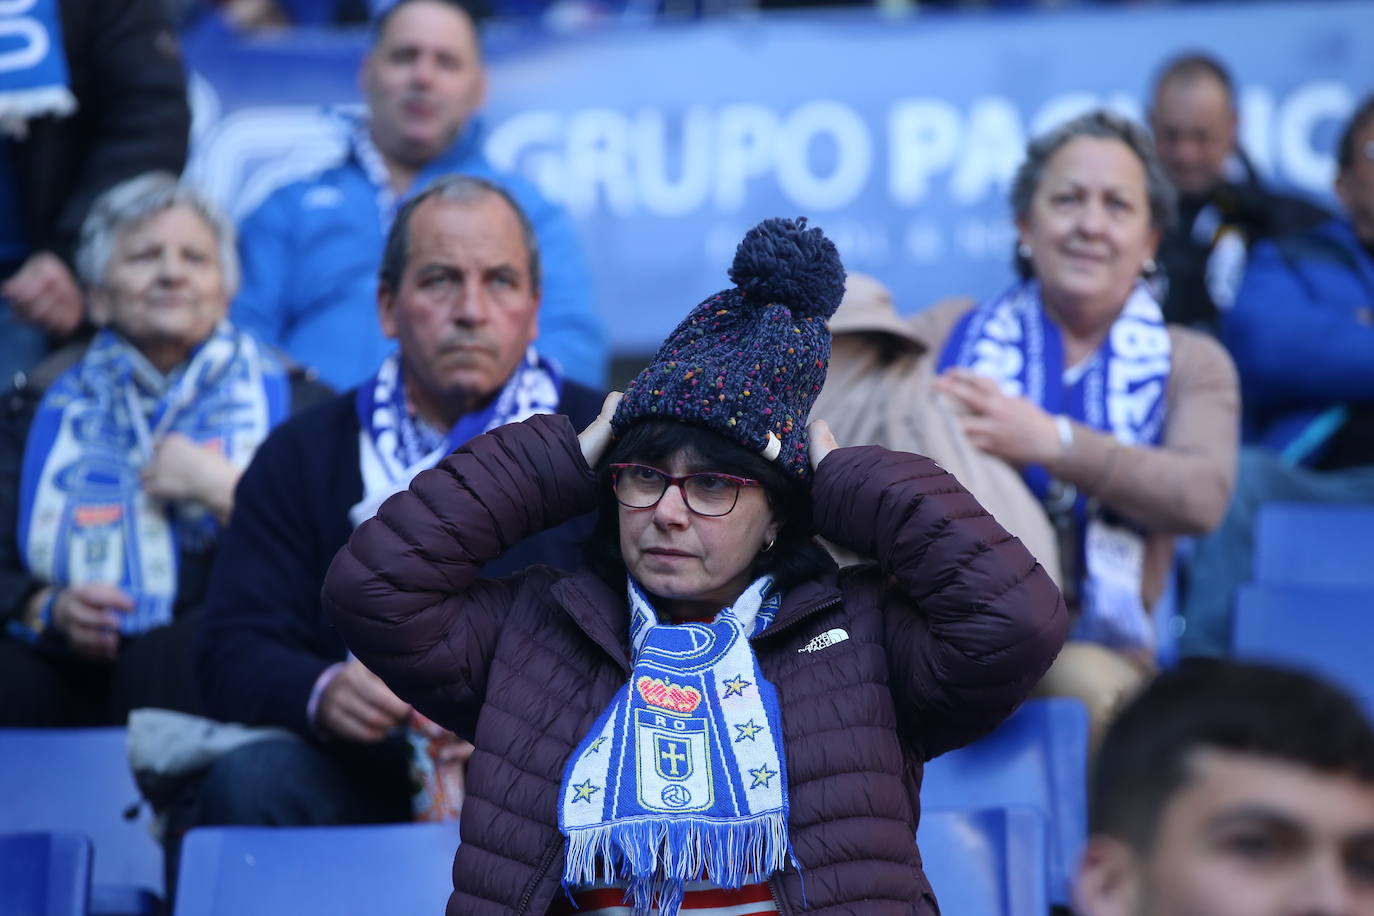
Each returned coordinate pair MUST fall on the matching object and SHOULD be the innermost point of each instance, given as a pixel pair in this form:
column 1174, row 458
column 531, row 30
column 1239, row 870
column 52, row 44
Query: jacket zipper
column 773, row 880
column 538, row 876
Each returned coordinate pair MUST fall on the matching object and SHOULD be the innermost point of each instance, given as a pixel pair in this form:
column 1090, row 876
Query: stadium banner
column 898, row 136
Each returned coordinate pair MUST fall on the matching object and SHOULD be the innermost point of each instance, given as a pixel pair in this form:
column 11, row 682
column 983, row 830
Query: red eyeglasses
column 639, row 486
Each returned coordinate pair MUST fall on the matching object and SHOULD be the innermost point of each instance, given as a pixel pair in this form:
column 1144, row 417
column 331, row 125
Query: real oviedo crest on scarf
column 682, row 776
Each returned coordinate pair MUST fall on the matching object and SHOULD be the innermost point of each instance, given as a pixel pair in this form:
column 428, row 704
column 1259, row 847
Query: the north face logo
column 825, row 640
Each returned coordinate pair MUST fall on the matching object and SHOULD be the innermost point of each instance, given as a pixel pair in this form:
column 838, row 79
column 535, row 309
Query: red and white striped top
column 701, row 899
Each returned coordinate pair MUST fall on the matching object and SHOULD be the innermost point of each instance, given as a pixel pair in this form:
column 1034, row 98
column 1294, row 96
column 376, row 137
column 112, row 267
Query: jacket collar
column 601, row 612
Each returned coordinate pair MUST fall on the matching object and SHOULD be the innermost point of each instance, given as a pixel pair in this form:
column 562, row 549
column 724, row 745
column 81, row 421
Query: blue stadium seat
column 1320, row 544
column 1038, row 758
column 79, row 779
column 989, row 862
column 1329, row 631
column 316, row 871
column 45, row 873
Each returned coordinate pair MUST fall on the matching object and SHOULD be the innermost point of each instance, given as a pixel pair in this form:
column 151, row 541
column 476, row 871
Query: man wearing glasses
column 1302, row 335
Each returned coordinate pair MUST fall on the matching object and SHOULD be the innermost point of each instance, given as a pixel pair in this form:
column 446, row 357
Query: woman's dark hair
column 796, row 555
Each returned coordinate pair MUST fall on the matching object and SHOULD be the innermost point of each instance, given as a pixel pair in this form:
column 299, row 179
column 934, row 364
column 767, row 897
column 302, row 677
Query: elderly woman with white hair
column 118, row 460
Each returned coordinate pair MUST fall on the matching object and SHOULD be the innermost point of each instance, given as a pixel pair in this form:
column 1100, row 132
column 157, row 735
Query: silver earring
column 1148, row 266
column 770, row 546
column 1024, row 250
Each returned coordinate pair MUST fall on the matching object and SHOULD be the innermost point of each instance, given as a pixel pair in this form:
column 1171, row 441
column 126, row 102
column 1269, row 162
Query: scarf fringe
column 661, row 856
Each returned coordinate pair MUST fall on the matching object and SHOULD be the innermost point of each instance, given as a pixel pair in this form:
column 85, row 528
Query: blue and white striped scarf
column 394, row 445
column 1121, row 390
column 83, row 514
column 683, row 775
column 33, row 65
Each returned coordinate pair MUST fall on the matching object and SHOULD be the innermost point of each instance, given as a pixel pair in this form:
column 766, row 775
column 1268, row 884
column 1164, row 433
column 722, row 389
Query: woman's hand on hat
column 598, row 434
column 1005, row 426
column 821, row 441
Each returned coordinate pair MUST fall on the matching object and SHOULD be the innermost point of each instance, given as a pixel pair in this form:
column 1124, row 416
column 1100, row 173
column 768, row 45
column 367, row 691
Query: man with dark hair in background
column 1302, row 335
column 1229, row 789
column 1223, row 206
column 310, row 250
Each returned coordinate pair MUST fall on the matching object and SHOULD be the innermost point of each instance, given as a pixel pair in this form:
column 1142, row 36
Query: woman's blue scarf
column 1120, row 390
column 83, row 514
column 683, row 775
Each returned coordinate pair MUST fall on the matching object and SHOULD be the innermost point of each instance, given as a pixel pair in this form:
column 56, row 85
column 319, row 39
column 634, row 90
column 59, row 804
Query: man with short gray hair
column 458, row 291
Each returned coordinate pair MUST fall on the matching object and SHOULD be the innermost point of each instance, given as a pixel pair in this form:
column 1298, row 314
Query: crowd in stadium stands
column 195, row 418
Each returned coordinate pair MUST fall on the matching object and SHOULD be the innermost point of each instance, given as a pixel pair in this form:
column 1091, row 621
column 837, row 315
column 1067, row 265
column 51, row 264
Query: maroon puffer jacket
column 943, row 643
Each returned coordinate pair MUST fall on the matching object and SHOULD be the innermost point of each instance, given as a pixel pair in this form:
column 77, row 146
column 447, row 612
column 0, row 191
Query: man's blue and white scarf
column 83, row 514
column 33, row 65
column 395, row 445
column 683, row 775
column 1120, row 389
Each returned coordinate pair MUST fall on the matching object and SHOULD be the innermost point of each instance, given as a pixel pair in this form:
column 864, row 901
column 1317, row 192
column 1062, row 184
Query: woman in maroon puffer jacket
column 709, row 708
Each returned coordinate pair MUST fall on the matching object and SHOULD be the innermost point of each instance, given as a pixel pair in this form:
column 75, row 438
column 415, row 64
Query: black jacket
column 132, row 117
column 264, row 640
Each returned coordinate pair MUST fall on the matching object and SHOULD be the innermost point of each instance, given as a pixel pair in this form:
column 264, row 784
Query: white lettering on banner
column 853, row 155
column 661, row 194
column 994, row 146
column 923, row 140
column 822, row 156
column 745, row 138
column 1304, row 110
column 35, row 43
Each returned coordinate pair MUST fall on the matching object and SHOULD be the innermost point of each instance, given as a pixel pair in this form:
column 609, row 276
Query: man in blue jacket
column 1302, row 335
column 310, row 250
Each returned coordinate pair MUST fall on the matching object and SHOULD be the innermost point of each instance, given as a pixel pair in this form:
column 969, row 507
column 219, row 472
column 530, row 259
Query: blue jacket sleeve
column 570, row 327
column 1294, row 336
column 265, row 260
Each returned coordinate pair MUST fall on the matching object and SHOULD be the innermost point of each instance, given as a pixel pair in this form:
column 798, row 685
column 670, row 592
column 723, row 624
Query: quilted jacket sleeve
column 972, row 621
column 405, row 591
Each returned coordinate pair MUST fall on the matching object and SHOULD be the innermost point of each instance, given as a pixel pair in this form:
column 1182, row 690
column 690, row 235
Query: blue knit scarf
column 1120, row 389
column 83, row 515
column 683, row 775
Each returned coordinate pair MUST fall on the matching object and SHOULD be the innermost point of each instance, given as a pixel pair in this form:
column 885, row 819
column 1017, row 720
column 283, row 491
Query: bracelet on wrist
column 1065, row 428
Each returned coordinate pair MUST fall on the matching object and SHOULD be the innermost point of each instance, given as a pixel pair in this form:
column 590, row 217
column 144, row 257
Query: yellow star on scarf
column 747, row 730
column 735, row 686
column 586, row 790
column 596, row 745
column 761, row 776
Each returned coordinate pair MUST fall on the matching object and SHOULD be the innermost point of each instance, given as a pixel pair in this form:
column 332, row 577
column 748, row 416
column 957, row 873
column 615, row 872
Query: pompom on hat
column 749, row 361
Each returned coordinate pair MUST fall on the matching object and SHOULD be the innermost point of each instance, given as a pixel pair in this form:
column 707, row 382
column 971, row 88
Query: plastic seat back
column 45, row 873
column 1038, row 759
column 79, row 779
column 1328, row 631
column 305, row 871
column 987, row 862
column 1316, row 544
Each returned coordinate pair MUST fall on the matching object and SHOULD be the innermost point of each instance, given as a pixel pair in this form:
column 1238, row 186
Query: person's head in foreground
column 1193, row 116
column 1090, row 201
column 1228, row 789
column 459, row 291
column 1355, row 176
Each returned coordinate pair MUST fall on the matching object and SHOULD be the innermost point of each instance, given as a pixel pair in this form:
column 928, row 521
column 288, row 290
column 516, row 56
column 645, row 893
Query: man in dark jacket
column 459, row 290
column 1222, row 208
column 130, row 117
